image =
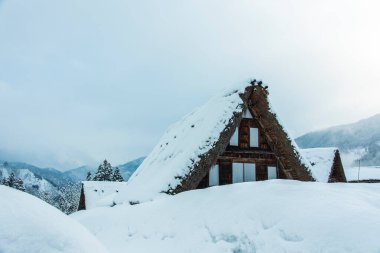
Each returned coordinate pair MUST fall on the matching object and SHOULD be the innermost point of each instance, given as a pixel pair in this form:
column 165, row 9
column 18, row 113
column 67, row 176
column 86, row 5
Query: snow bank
column 321, row 160
column 270, row 216
column 28, row 224
column 181, row 146
column 101, row 193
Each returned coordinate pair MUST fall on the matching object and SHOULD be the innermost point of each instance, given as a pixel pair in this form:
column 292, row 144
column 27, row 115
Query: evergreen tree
column 11, row 180
column 19, row 184
column 104, row 172
column 14, row 182
column 88, row 178
column 117, row 176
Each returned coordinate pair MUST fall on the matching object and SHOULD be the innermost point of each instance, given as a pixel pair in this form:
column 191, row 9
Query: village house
column 236, row 137
column 325, row 164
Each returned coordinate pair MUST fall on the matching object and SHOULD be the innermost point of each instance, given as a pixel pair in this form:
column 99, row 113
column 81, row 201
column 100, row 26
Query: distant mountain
column 360, row 140
column 127, row 169
column 130, row 167
column 55, row 177
column 46, row 184
column 60, row 189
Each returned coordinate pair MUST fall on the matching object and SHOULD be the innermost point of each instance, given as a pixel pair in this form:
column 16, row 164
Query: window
column 254, row 137
column 272, row 172
column 214, row 176
column 247, row 114
column 235, row 138
column 243, row 172
column 237, row 172
column 249, row 172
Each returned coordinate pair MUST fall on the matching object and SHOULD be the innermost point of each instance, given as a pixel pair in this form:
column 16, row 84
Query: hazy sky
column 89, row 79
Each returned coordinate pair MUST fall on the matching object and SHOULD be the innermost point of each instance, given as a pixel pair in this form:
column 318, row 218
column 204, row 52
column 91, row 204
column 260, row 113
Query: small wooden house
column 236, row 137
column 326, row 164
column 98, row 193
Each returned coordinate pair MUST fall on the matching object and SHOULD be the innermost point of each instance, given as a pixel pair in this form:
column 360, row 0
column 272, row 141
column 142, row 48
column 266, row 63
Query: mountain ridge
column 362, row 136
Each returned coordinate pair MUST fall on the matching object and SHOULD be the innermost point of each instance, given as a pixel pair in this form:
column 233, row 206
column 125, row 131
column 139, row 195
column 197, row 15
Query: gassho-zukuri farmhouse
column 235, row 137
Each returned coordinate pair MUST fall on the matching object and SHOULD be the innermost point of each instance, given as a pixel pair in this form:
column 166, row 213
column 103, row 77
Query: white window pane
column 272, row 172
column 237, row 172
column 213, row 178
column 249, row 172
column 254, row 137
column 247, row 114
column 235, row 138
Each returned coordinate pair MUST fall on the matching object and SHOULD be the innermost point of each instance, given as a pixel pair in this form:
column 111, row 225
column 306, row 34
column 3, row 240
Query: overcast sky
column 85, row 80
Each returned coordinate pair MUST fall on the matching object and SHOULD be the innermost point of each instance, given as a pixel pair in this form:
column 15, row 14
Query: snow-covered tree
column 10, row 181
column 19, row 184
column 117, row 176
column 104, row 172
column 69, row 199
column 14, row 182
column 88, row 178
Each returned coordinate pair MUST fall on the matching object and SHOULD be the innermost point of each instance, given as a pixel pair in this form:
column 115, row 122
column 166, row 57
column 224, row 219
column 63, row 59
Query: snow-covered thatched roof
column 184, row 143
column 189, row 148
column 99, row 193
column 321, row 160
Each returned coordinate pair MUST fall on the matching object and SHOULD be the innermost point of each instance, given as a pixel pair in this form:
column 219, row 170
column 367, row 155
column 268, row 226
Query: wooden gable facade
column 337, row 171
column 248, row 157
column 253, row 147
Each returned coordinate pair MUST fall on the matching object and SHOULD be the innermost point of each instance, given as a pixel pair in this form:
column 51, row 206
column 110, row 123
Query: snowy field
column 269, row 216
column 367, row 172
column 29, row 225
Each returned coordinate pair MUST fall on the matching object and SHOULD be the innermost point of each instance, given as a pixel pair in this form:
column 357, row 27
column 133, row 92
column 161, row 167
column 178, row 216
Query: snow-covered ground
column 269, row 216
column 27, row 224
column 366, row 172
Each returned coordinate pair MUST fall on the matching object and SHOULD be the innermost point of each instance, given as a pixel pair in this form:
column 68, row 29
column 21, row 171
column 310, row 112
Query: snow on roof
column 101, row 193
column 183, row 144
column 321, row 161
column 28, row 224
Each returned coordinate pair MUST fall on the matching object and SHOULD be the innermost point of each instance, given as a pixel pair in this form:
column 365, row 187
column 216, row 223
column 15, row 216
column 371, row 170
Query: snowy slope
column 28, row 224
column 264, row 217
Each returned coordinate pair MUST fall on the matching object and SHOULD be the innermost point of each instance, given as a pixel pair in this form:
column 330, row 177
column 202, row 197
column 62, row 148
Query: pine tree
column 88, row 178
column 104, row 172
column 14, row 182
column 11, row 180
column 117, row 176
column 19, row 184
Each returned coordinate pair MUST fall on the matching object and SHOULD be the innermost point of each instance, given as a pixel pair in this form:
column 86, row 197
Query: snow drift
column 269, row 216
column 28, row 224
